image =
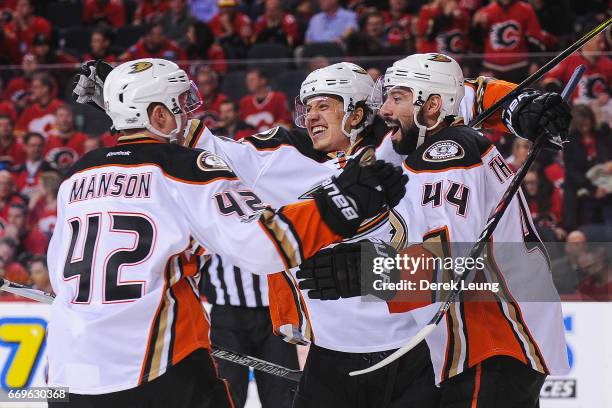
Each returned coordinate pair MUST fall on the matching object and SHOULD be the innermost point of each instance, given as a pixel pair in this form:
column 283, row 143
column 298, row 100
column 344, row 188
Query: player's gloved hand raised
column 364, row 188
column 532, row 114
column 88, row 84
column 348, row 270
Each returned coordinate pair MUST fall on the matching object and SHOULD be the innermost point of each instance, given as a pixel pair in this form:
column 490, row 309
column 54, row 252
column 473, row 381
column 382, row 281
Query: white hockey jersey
column 457, row 178
column 127, row 304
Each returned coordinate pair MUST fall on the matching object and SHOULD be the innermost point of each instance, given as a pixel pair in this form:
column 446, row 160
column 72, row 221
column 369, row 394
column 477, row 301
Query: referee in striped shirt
column 240, row 321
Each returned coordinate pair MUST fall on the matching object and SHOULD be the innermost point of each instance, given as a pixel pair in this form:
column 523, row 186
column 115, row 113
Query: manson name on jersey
column 137, row 185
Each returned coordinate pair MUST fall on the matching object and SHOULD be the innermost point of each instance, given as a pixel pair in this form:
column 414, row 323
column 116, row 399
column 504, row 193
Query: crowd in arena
column 248, row 59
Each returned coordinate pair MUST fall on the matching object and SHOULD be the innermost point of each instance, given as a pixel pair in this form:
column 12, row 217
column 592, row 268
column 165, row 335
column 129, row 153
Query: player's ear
column 356, row 117
column 432, row 108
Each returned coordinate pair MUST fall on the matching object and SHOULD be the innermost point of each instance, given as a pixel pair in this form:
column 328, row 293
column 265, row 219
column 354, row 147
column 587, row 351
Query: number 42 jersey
column 127, row 304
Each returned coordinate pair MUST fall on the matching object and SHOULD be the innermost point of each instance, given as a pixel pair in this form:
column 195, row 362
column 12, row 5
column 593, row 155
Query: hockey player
column 281, row 166
column 127, row 324
column 490, row 350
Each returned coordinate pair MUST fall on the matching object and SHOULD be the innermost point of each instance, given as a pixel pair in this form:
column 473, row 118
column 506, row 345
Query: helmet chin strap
column 423, row 129
column 170, row 136
column 352, row 135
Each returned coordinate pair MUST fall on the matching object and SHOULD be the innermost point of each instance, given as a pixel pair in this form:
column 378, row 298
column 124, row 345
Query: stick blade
column 420, row 336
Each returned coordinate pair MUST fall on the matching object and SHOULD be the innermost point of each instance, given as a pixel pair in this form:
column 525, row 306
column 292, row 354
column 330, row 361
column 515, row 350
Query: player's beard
column 409, row 136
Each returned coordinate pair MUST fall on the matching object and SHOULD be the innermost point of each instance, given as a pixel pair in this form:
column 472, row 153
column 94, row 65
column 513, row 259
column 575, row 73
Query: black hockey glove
column 88, row 84
column 532, row 114
column 347, row 270
column 363, row 189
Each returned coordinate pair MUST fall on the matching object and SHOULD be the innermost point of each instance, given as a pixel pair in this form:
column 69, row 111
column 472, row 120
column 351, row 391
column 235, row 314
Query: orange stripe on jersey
column 284, row 302
column 476, row 386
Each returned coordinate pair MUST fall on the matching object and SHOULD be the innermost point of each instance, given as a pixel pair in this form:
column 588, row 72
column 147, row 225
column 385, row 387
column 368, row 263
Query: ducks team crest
column 443, row 151
column 207, row 162
column 140, row 66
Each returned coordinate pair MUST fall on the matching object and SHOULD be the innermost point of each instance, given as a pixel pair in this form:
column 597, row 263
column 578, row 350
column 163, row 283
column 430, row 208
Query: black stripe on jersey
column 473, row 144
column 257, row 290
column 279, row 136
column 450, row 347
column 176, row 161
column 293, row 232
column 172, row 328
column 195, row 135
column 239, row 286
column 466, row 361
column 221, row 274
column 155, row 331
column 207, row 287
column 296, row 299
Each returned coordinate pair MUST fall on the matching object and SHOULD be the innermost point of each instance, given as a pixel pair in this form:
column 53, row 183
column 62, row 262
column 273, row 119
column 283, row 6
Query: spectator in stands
column 45, row 53
column 27, row 174
column 150, row 10
column 229, row 124
column 65, row 143
column 597, row 284
column 398, row 24
column 100, row 46
column 507, row 26
column 9, row 43
column 154, row 44
column 332, row 24
column 177, row 20
column 8, row 196
column 24, row 26
column 17, row 90
column 276, row 26
column 318, row 62
column 585, row 202
column 43, row 202
column 92, row 143
column 30, row 240
column 232, row 28
column 104, row 12
column 565, row 270
column 371, row 40
column 204, row 10
column 263, row 108
column 596, row 84
column 39, row 273
column 442, row 27
column 520, row 151
column 545, row 204
column 39, row 116
column 12, row 152
column 8, row 109
column 207, row 81
column 201, row 45
column 9, row 269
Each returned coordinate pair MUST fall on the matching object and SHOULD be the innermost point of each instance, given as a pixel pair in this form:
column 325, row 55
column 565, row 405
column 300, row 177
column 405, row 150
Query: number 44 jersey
column 457, row 178
column 127, row 304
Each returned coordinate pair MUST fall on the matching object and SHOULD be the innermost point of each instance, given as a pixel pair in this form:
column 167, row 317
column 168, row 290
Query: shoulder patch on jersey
column 208, row 161
column 443, row 150
column 266, row 134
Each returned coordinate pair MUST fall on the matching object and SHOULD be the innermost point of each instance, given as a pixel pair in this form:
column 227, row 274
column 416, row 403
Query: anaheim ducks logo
column 505, row 35
column 139, row 67
column 439, row 58
column 443, row 151
column 208, row 162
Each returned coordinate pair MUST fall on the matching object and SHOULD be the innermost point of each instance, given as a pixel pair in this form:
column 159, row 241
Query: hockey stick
column 539, row 73
column 238, row 358
column 480, row 244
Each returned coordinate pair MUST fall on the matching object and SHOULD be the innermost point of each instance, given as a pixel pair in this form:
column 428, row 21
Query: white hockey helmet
column 132, row 86
column 348, row 81
column 426, row 75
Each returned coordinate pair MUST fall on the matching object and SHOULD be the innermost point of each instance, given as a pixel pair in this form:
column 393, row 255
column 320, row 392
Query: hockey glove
column 347, row 270
column 88, row 84
column 363, row 189
column 532, row 114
